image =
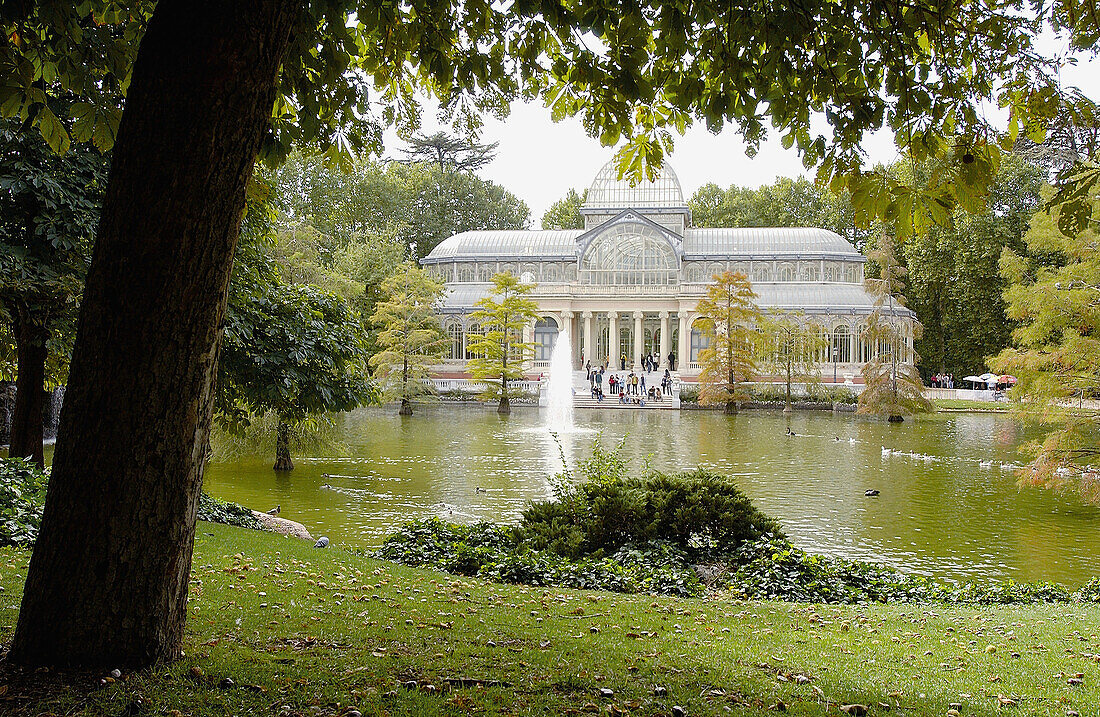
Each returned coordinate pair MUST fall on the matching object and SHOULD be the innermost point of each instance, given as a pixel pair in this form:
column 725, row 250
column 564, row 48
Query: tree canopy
column 729, row 317
column 49, row 210
column 449, row 153
column 784, row 203
column 411, row 338
column 403, row 203
column 498, row 344
column 566, row 212
column 1054, row 295
column 892, row 386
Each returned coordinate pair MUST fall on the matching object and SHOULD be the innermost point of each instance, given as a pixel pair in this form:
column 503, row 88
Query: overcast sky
column 539, row 160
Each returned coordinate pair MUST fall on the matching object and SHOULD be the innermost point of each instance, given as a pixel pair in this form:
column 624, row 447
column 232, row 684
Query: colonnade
column 587, row 323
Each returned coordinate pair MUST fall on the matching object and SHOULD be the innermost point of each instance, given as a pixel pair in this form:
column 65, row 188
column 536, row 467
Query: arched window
column 811, row 271
column 851, row 273
column 841, row 345
column 485, row 272
column 832, row 272
column 546, row 335
column 455, row 350
column 473, row 333
column 629, row 253
column 700, row 341
column 552, row 272
column 467, row 272
column 787, row 272
column 761, row 272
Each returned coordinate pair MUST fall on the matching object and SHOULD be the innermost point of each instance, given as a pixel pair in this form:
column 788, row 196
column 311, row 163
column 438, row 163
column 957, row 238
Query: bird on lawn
column 275, row 510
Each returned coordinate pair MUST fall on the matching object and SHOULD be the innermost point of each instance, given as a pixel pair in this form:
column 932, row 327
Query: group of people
column 943, row 380
column 650, row 362
column 630, row 387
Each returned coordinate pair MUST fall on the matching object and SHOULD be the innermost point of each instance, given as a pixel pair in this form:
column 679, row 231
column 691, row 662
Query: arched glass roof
column 610, row 192
column 767, row 241
column 513, row 244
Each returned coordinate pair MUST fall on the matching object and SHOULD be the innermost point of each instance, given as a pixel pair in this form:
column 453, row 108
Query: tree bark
column 107, row 583
column 26, row 421
column 282, row 448
column 406, row 407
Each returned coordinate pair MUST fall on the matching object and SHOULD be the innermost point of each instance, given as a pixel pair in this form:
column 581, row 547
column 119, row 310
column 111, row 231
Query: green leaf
column 53, row 131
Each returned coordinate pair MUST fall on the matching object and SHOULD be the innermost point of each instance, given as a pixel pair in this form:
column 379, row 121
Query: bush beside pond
column 670, row 534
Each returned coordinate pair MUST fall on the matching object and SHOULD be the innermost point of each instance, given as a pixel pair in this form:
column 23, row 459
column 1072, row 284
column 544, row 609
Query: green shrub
column 219, row 511
column 1089, row 592
column 454, row 548
column 772, row 569
column 22, row 496
column 701, row 514
column 493, row 552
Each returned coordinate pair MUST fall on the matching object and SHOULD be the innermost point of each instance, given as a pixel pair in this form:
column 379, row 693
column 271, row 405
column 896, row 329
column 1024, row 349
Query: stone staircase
column 582, row 396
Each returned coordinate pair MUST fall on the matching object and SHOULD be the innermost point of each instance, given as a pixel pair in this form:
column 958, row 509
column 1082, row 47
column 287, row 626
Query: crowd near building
column 627, row 285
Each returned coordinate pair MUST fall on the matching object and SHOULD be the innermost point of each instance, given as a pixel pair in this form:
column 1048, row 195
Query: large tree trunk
column 282, row 448
column 107, row 584
column 26, row 420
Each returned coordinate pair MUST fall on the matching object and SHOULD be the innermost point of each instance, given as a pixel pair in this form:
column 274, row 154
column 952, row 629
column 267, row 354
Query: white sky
column 539, row 160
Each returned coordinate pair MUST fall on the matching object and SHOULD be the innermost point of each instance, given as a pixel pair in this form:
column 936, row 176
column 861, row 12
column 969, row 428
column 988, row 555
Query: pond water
column 949, row 505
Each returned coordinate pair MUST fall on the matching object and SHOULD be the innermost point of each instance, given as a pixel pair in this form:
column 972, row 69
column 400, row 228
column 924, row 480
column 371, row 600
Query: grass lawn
column 277, row 627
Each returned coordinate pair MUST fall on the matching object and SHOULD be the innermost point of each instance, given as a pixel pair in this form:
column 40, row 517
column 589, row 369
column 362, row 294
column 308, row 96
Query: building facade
column 628, row 284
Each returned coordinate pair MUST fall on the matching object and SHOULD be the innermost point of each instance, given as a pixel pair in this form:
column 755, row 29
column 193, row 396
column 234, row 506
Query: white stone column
column 639, row 339
column 567, row 327
column 613, row 339
column 663, row 351
column 587, row 354
column 682, row 353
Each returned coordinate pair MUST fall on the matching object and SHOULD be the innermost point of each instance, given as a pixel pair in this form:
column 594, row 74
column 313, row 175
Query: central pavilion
column 628, row 284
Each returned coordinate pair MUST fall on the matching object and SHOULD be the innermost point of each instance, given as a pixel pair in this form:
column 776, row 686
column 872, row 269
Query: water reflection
column 948, row 506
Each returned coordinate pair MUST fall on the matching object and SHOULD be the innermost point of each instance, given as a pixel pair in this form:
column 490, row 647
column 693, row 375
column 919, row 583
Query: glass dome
column 610, row 192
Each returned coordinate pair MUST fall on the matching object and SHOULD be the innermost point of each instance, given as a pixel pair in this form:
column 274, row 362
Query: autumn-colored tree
column 729, row 318
column 499, row 349
column 412, row 338
column 892, row 384
column 1056, row 359
column 791, row 346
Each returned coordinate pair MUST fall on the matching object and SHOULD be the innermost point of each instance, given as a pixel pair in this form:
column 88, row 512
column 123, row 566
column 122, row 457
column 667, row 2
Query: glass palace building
column 629, row 282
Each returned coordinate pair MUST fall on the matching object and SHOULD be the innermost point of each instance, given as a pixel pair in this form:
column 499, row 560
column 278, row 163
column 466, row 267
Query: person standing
column 671, row 361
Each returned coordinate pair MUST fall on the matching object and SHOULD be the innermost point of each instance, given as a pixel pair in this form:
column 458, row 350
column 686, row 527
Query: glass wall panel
column 454, row 348
column 632, row 254
column 699, row 342
column 842, row 344
column 546, row 335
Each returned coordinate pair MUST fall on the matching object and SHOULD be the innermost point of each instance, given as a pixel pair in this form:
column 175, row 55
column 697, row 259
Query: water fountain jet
column 559, row 386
